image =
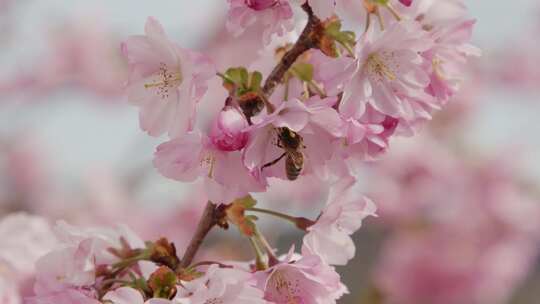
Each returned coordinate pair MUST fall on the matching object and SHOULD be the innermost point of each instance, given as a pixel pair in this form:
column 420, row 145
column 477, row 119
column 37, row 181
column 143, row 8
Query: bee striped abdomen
column 294, row 163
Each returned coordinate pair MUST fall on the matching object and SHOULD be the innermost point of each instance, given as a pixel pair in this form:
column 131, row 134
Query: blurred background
column 459, row 205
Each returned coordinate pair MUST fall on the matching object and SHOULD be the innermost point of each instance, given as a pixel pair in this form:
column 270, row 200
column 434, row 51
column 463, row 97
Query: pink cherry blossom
column 433, row 13
column 391, row 74
column 341, row 217
column 165, row 80
column 448, row 58
column 332, row 74
column 451, row 31
column 356, row 11
column 368, row 136
column 221, row 285
column 193, row 156
column 275, row 15
column 307, row 280
column 315, row 120
column 127, row 295
column 323, row 8
column 63, row 297
column 69, row 272
column 25, row 238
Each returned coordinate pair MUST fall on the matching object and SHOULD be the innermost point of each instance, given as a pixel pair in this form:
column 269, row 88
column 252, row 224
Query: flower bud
column 227, row 133
column 163, row 283
column 406, row 2
column 260, row 5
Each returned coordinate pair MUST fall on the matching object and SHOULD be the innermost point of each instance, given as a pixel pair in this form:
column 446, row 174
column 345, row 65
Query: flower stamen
column 167, row 81
column 377, row 66
column 436, row 63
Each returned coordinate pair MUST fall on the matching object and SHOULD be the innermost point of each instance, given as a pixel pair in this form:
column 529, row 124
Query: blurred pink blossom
column 467, row 231
column 275, row 15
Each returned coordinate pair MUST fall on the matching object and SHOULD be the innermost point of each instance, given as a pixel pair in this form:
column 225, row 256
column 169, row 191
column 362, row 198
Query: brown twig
column 308, row 39
column 208, row 220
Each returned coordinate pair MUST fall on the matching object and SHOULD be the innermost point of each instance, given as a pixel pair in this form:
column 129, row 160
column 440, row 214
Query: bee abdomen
column 293, row 166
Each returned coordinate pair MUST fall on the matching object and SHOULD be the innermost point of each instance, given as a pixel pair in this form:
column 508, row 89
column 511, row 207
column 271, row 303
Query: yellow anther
column 376, row 65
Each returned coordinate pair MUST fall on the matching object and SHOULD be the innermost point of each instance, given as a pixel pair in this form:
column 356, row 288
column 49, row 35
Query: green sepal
column 303, row 71
column 246, row 202
column 255, row 81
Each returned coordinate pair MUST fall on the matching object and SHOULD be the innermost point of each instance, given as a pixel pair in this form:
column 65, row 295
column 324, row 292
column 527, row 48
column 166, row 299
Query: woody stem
column 208, row 220
column 308, row 39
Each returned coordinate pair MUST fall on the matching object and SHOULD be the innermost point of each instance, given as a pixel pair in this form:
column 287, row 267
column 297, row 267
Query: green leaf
column 246, row 202
column 347, row 37
column 255, row 81
column 304, row 71
column 244, row 77
column 252, row 218
column 238, row 75
column 333, row 29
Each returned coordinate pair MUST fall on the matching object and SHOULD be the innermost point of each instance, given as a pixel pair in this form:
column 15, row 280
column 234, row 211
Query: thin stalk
column 317, row 88
column 289, row 218
column 393, row 11
column 272, row 259
column 348, row 48
column 206, row 263
column 368, row 21
column 287, row 86
column 132, row 260
column 259, row 255
column 381, row 18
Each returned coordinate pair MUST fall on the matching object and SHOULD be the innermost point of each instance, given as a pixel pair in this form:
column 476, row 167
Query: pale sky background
column 82, row 135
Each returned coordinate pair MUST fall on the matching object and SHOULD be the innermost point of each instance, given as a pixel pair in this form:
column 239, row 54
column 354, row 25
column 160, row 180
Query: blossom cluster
column 339, row 99
column 103, row 265
column 313, row 104
column 466, row 228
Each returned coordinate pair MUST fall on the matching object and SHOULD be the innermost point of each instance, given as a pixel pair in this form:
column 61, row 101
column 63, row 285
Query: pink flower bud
column 260, row 5
column 406, row 2
column 227, row 133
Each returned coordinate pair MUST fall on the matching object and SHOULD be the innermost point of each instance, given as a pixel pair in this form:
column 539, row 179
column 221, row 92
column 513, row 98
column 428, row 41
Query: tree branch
column 309, row 39
column 208, row 220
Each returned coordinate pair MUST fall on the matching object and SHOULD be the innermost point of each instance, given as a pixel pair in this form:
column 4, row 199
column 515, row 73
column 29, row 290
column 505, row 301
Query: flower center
column 288, row 291
column 260, row 5
column 167, row 80
column 378, row 66
column 436, row 63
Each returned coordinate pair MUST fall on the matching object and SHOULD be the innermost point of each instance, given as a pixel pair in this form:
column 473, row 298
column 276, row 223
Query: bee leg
column 274, row 161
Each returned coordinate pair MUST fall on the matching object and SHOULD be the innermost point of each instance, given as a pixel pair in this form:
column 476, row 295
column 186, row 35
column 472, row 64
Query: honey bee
column 291, row 142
